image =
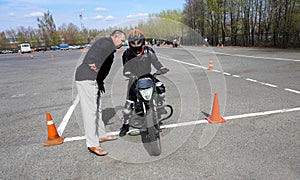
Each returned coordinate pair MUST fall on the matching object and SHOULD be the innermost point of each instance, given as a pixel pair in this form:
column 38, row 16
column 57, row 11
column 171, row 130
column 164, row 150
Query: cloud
column 34, row 14
column 109, row 18
column 101, row 9
column 137, row 15
column 11, row 14
column 98, row 17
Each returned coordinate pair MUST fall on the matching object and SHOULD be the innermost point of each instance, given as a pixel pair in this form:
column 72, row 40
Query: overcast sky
column 96, row 14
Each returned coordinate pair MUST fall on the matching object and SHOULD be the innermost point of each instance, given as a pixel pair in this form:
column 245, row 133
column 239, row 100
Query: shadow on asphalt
column 109, row 113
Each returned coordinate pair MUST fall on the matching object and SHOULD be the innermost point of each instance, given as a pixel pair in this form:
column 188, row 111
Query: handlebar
column 161, row 71
column 158, row 72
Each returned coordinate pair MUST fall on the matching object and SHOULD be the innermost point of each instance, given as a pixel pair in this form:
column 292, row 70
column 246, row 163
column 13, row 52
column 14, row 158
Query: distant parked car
column 6, row 51
column 87, row 46
column 25, row 48
column 15, row 50
column 54, row 48
column 40, row 49
column 74, row 47
column 63, row 46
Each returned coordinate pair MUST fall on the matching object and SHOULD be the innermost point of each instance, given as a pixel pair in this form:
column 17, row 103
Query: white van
column 25, row 48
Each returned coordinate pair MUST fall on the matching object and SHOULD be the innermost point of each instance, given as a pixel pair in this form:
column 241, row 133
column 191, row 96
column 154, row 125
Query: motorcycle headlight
column 146, row 93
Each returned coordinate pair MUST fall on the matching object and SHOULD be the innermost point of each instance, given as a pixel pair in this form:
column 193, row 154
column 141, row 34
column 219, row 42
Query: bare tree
column 48, row 29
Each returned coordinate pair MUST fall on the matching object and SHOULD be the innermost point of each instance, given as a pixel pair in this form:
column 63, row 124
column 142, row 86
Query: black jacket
column 140, row 65
column 101, row 53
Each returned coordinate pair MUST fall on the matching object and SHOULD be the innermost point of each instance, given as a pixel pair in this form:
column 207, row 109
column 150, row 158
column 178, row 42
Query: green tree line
column 273, row 23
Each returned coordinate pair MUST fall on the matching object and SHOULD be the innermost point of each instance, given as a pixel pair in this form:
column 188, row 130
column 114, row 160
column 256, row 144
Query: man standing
column 89, row 79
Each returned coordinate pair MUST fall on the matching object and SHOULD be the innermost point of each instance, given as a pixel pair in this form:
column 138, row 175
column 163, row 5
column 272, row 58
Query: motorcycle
column 149, row 112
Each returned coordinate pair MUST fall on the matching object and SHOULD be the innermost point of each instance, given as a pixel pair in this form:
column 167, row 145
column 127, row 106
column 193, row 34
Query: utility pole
column 81, row 19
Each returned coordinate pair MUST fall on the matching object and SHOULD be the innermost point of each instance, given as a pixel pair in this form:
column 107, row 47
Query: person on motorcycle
column 137, row 61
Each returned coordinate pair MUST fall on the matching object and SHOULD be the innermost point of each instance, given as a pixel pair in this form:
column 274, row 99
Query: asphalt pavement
column 259, row 96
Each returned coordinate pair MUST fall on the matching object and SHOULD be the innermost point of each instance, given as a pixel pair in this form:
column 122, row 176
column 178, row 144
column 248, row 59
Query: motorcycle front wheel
column 151, row 141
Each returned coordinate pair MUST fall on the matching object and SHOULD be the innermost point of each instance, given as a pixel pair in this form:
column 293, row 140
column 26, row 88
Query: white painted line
column 267, row 84
column 199, row 122
column 252, row 80
column 258, row 57
column 184, row 124
column 17, row 95
column 77, row 138
column 115, row 133
column 206, row 68
column 194, row 67
column 237, row 76
column 262, row 113
column 239, row 55
column 183, row 62
column 291, row 90
column 66, row 119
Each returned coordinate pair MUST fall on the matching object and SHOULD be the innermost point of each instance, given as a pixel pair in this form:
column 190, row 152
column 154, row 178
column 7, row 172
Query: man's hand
column 130, row 75
column 101, row 87
column 163, row 70
column 94, row 67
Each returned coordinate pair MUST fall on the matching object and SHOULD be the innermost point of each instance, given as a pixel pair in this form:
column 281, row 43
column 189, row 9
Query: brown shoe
column 97, row 150
column 108, row 138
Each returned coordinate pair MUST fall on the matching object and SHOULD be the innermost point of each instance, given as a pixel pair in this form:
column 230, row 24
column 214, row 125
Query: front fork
column 151, row 119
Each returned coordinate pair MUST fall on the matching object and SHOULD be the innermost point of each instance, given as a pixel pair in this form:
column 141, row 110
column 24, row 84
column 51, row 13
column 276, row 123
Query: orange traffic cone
column 52, row 57
column 53, row 137
column 215, row 114
column 211, row 67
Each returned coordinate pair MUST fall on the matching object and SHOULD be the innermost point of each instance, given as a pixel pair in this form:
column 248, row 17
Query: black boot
column 124, row 129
